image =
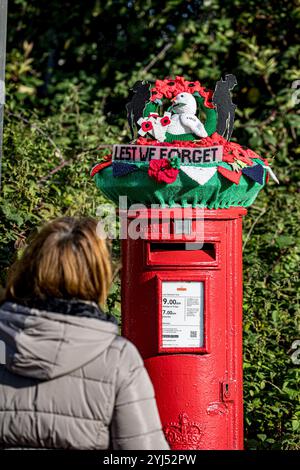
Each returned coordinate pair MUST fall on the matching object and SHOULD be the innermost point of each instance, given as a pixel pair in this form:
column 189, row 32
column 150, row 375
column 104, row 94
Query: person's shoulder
column 129, row 355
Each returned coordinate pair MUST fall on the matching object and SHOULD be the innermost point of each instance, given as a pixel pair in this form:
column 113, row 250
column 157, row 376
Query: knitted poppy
column 175, row 86
column 207, row 95
column 250, row 153
column 161, row 87
column 165, row 121
column 147, row 126
column 161, row 171
column 237, row 151
column 228, row 157
column 180, row 82
column 240, row 154
column 145, row 141
column 156, row 95
column 170, row 88
column 192, row 87
column 217, row 139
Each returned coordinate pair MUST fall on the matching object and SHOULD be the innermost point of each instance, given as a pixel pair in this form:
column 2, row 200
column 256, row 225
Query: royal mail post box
column 182, row 308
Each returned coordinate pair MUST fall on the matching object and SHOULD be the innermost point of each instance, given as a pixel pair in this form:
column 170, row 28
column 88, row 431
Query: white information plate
column 182, row 314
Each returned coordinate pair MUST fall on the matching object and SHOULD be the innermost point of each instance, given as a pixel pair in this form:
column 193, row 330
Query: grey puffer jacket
column 71, row 382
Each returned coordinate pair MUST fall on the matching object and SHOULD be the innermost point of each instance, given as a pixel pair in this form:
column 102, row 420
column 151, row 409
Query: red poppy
column 175, row 86
column 165, row 121
column 156, row 95
column 207, row 95
column 169, row 88
column 161, row 88
column 180, row 81
column 228, row 157
column 250, row 153
column 240, row 154
column 233, row 150
column 145, row 141
column 192, row 87
column 147, row 126
column 154, row 115
column 161, row 171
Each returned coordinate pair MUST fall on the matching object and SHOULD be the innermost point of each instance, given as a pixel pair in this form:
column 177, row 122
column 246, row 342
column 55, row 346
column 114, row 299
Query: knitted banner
column 217, row 192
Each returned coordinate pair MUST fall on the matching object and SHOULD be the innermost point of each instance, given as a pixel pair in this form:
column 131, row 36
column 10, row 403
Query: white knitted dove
column 184, row 119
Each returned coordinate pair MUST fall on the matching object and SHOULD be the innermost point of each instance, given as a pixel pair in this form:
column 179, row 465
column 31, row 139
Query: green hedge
column 67, row 80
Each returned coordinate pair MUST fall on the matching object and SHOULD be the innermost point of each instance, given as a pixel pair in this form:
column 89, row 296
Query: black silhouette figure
column 135, row 107
column 224, row 105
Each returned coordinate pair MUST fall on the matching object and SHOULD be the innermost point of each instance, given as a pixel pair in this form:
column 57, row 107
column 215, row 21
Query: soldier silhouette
column 135, row 107
column 224, row 105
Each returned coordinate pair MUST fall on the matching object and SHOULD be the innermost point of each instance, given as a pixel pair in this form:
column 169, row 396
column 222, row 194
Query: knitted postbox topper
column 180, row 152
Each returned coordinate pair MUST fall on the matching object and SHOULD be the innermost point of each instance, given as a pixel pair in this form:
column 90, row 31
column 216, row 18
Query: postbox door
column 190, row 377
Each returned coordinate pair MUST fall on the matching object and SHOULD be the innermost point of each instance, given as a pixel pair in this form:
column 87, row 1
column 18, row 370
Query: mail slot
column 182, row 308
column 175, row 253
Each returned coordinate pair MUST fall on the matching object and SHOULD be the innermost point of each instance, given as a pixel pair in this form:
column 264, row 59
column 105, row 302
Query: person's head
column 231, row 81
column 67, row 260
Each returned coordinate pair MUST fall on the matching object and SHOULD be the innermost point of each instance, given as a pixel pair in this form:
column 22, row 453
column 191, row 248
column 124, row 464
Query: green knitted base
column 218, row 192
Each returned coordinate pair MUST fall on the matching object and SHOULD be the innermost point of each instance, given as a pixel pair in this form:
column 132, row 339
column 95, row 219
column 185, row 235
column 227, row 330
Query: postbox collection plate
column 183, row 305
column 182, row 314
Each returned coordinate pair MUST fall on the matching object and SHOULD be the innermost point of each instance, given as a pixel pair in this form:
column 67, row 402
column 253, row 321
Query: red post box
column 182, row 308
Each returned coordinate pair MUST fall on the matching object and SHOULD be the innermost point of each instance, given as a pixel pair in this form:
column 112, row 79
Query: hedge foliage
column 69, row 67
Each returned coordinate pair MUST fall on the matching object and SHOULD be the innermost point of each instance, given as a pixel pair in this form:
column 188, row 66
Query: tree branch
column 253, row 225
column 55, row 170
column 158, row 57
column 72, row 160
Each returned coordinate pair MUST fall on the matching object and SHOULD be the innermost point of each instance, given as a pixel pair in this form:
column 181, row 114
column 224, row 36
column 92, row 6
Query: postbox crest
column 183, row 434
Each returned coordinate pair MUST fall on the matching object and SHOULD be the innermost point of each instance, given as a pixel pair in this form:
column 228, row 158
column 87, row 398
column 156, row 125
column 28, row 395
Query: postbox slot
column 174, row 252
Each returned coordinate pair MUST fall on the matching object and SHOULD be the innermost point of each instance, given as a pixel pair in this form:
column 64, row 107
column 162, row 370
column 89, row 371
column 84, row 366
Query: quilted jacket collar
column 76, row 307
column 45, row 344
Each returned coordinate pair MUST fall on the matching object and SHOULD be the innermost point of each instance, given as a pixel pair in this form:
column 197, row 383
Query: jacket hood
column 44, row 344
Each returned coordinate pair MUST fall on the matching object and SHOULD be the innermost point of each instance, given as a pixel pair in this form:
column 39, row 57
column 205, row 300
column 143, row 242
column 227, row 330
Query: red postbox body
column 182, row 308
